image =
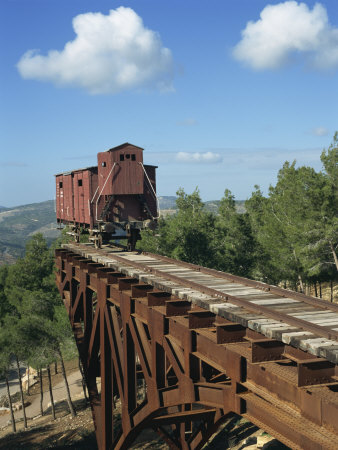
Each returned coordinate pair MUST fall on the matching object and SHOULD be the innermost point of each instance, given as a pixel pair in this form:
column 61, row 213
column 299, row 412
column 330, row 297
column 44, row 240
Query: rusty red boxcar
column 113, row 200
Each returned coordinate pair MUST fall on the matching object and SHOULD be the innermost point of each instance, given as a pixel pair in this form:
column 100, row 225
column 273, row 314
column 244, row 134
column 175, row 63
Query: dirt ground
column 78, row 433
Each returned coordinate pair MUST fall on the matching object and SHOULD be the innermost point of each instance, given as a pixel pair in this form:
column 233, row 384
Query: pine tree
column 39, row 333
column 64, row 340
column 186, row 235
column 5, row 362
column 233, row 242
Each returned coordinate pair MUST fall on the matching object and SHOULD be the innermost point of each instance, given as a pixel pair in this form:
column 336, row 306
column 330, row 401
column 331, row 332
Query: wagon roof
column 69, row 172
column 126, row 144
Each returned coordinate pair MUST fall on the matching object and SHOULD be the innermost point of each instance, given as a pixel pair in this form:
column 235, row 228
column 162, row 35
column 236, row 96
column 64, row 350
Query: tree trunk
column 28, row 380
column 69, row 400
column 21, row 393
column 56, row 367
column 316, row 292
column 41, row 392
column 301, row 285
column 83, row 381
column 334, row 255
column 10, row 404
column 51, row 392
column 320, row 289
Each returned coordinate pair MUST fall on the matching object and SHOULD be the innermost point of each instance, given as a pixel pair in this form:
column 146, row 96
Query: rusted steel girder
column 181, row 370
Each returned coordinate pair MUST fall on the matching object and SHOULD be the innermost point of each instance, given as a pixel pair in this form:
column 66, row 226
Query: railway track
column 297, row 320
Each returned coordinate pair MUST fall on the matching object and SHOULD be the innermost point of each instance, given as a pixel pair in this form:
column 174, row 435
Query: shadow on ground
column 64, row 433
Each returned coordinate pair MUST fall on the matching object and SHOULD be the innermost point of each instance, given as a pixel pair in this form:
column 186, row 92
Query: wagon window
column 79, row 182
column 121, row 157
column 128, row 156
column 103, row 164
column 133, row 158
column 60, row 185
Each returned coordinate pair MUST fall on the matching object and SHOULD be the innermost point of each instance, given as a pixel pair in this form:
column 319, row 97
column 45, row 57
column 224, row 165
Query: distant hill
column 167, row 202
column 18, row 224
column 168, row 205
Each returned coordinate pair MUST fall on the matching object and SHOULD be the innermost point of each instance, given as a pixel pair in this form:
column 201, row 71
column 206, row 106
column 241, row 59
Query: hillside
column 167, row 202
column 18, row 224
column 168, row 205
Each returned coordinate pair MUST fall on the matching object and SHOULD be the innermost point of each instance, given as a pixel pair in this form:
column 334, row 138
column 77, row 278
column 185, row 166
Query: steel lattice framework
column 181, row 370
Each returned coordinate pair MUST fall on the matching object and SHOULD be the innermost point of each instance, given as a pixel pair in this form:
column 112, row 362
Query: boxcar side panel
column 120, row 172
column 93, row 193
column 81, row 181
column 130, row 180
column 68, row 198
column 107, row 172
column 86, row 193
column 81, row 178
column 59, row 197
column 76, row 198
column 78, row 186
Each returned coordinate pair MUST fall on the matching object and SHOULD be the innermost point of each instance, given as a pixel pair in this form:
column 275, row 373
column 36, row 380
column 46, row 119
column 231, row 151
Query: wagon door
column 78, row 197
column 86, row 184
column 68, row 206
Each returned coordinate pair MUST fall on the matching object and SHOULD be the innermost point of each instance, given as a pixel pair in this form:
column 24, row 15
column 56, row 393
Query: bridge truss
column 153, row 360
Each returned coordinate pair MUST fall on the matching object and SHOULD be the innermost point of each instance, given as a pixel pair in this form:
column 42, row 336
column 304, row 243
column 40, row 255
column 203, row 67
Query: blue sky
column 219, row 94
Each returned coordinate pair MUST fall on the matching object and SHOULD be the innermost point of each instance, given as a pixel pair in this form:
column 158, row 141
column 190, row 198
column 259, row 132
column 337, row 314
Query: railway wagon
column 113, row 200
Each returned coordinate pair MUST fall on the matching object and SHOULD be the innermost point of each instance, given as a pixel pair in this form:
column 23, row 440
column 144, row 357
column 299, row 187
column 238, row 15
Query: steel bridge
column 179, row 348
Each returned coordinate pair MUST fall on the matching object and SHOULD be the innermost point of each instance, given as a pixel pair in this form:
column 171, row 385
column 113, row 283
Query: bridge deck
column 307, row 323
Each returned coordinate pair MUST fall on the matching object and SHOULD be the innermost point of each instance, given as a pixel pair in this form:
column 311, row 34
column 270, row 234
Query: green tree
column 232, row 240
column 279, row 220
column 11, row 338
column 296, row 225
column 64, row 345
column 326, row 222
column 187, row 234
column 263, row 269
column 38, row 316
column 32, row 274
column 5, row 306
column 5, row 362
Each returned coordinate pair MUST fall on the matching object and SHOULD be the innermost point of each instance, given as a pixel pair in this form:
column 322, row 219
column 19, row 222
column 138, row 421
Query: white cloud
column 285, row 29
column 207, row 157
column 320, row 131
column 187, row 122
column 110, row 53
column 262, row 159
